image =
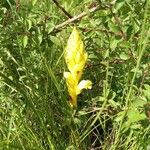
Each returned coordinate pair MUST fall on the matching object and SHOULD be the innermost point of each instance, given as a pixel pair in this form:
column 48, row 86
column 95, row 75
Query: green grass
column 34, row 109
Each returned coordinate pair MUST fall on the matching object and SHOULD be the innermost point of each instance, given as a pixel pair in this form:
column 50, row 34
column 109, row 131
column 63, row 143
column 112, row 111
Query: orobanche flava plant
column 75, row 57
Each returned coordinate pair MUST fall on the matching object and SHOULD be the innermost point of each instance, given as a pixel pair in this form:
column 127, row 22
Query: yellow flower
column 75, row 57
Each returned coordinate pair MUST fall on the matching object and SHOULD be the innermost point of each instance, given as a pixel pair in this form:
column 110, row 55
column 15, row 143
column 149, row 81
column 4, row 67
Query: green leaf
column 134, row 115
column 25, row 41
column 40, row 38
column 129, row 32
column 29, row 22
column 147, row 92
column 50, row 27
column 138, row 102
column 113, row 27
column 113, row 43
column 55, row 40
column 119, row 4
column 34, row 2
column 124, row 56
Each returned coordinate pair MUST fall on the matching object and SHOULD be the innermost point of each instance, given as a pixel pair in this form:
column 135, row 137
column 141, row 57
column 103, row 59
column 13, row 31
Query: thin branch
column 83, row 14
column 17, row 5
column 62, row 9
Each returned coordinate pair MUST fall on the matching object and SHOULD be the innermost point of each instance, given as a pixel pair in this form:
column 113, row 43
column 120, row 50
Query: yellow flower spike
column 74, row 52
column 76, row 58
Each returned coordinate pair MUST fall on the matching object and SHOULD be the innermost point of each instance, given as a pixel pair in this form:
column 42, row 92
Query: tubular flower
column 75, row 57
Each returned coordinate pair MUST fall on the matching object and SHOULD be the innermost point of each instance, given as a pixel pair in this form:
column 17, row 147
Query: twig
column 17, row 5
column 57, row 27
column 62, row 9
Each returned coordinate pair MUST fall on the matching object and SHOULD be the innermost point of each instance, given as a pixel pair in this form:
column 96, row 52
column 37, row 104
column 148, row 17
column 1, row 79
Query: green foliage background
column 34, row 109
